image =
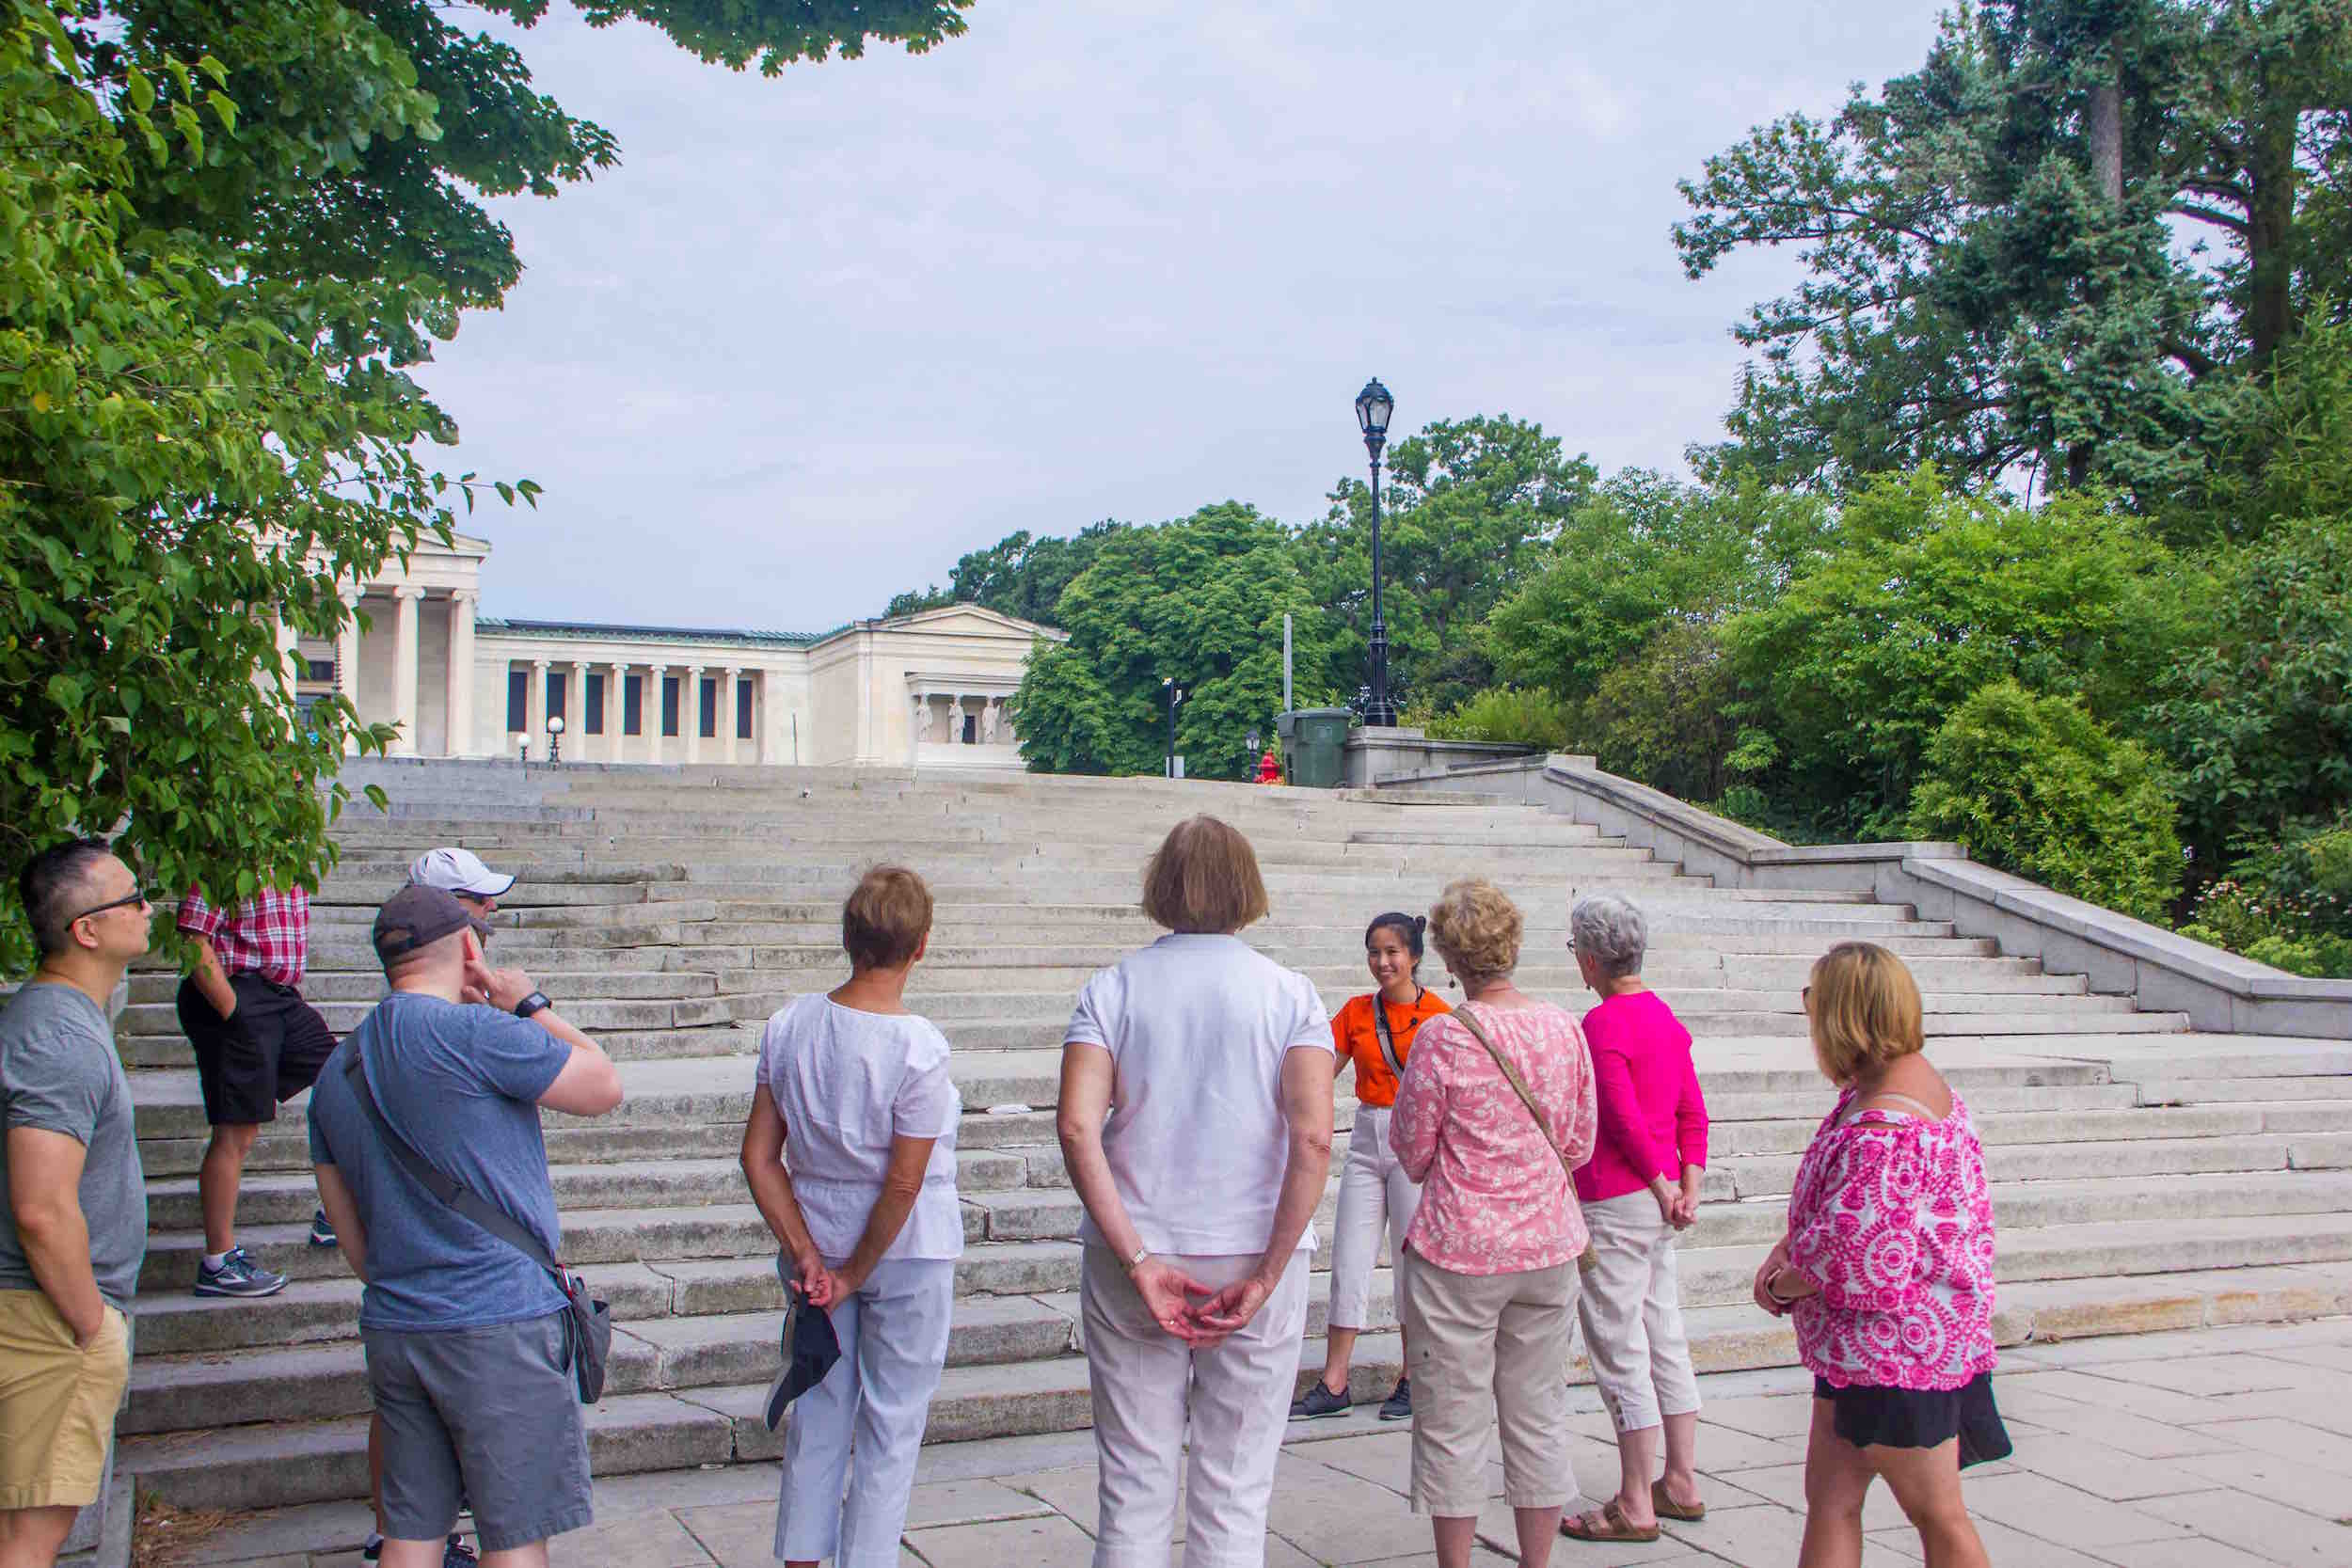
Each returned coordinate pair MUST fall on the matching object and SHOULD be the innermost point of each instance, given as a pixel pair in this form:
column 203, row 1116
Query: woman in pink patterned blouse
column 1486, row 1282
column 1887, row 1268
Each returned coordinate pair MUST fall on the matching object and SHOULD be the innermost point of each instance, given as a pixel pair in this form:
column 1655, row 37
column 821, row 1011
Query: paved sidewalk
column 2215, row 1449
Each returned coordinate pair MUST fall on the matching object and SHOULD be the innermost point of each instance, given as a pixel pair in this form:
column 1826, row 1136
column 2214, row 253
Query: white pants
column 1631, row 1311
column 894, row 1341
column 1375, row 1194
column 1147, row 1383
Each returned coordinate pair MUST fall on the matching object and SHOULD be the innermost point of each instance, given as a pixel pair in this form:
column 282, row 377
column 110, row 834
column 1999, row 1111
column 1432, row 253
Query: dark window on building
column 517, row 699
column 669, row 704
column 320, row 669
column 592, row 696
column 556, row 683
column 706, row 709
column 744, row 710
column 971, row 729
column 633, row 704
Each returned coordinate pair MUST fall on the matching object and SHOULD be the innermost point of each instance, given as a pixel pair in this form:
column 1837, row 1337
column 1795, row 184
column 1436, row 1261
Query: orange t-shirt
column 1355, row 1034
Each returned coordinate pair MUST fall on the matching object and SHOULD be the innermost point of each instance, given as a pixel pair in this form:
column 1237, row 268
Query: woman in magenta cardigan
column 1641, row 1186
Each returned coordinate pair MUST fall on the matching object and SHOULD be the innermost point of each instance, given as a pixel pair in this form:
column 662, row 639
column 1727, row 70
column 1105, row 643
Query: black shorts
column 266, row 1052
column 1867, row 1417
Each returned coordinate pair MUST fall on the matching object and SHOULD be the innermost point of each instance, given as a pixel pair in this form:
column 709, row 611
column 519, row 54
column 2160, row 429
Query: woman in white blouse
column 851, row 1152
column 1196, row 1123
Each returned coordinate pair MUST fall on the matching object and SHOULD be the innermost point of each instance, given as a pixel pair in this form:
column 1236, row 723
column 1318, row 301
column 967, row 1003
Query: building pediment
column 968, row 620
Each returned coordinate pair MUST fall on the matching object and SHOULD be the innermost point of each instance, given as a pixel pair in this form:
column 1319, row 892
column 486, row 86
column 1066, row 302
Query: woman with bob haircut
column 1496, row 1109
column 1196, row 1124
column 851, row 1154
column 1641, row 1187
column 1376, row 1032
column 1887, row 1270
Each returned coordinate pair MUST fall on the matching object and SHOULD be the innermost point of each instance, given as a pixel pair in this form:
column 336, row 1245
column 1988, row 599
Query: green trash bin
column 1314, row 739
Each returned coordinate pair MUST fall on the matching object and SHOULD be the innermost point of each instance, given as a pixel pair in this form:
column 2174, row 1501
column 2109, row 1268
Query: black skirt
column 1920, row 1418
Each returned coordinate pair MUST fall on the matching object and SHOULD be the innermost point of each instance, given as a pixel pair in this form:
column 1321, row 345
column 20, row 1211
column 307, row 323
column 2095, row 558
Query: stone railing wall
column 2162, row 970
column 1379, row 755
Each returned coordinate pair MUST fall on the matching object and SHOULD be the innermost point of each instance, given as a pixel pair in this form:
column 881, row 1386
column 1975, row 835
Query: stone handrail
column 2162, row 971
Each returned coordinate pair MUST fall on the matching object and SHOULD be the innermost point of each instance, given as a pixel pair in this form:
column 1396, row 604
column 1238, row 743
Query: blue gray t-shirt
column 460, row 1085
column 59, row 1072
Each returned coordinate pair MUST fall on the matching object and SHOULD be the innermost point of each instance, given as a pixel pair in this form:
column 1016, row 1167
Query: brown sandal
column 1614, row 1526
column 1668, row 1508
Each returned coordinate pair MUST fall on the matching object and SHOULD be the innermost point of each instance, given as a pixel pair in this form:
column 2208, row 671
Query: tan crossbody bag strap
column 1518, row 1086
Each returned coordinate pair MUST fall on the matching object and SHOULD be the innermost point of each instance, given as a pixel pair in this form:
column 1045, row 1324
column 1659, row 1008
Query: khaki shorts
column 57, row 1403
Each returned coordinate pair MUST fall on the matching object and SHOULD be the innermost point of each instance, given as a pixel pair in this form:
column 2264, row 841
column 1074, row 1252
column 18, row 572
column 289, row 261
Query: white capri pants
column 1147, row 1383
column 1632, row 1312
column 894, row 1342
column 1375, row 1194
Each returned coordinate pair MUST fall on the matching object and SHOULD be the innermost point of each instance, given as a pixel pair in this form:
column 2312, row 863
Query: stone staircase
column 2146, row 1177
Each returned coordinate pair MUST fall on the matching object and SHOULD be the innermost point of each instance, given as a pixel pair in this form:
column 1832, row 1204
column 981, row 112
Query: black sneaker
column 322, row 1232
column 238, row 1275
column 1399, row 1405
column 1319, row 1402
column 455, row 1555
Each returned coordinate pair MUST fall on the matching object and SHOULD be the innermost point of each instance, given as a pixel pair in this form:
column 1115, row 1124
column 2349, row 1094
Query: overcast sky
column 820, row 335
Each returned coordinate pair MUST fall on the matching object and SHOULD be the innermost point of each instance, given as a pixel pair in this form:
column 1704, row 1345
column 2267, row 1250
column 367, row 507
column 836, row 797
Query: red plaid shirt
column 268, row 934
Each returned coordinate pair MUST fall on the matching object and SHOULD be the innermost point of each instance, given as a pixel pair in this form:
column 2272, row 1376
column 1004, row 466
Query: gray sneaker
column 1319, row 1402
column 1399, row 1405
column 238, row 1275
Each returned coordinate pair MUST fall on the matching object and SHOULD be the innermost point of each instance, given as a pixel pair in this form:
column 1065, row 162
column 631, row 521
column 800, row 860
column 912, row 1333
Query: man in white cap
column 461, row 872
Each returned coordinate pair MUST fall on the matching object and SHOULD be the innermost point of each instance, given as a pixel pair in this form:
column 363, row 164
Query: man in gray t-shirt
column 72, row 1201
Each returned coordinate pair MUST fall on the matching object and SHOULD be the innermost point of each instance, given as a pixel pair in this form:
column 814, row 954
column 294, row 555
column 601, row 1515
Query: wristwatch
column 536, row 1001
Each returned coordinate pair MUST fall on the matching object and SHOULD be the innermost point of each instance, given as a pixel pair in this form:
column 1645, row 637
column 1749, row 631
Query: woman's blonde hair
column 884, row 920
column 1864, row 1011
column 1476, row 929
column 1204, row 878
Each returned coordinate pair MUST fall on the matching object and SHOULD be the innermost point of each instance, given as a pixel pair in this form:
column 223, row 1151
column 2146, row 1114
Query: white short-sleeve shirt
column 1197, row 1027
column 847, row 1082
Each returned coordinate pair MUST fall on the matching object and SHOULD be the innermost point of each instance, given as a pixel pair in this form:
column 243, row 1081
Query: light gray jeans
column 894, row 1343
column 1632, row 1312
column 1375, row 1198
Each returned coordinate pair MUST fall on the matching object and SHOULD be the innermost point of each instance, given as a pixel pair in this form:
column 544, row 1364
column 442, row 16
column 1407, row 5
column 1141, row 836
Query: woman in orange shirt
column 1374, row 1192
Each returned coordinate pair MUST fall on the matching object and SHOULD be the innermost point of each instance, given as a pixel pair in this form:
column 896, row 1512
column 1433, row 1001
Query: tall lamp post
column 1175, row 695
column 1373, row 406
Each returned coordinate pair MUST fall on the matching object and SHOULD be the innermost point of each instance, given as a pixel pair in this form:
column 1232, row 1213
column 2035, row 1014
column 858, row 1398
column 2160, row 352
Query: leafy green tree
column 2036, row 785
column 1993, row 283
column 2285, row 451
column 1020, row 575
column 230, row 231
column 1645, row 551
column 1471, row 508
column 1668, row 715
column 2257, row 715
column 1923, row 598
column 1199, row 600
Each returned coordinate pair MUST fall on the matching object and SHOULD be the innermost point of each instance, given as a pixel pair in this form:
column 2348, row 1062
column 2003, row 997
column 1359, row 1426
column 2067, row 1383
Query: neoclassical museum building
column 916, row 690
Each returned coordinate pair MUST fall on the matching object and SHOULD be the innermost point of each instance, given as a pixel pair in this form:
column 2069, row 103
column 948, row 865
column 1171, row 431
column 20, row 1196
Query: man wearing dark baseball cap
column 463, row 1333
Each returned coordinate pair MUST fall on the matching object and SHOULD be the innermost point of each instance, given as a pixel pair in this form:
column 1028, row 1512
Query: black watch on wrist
column 535, row 1001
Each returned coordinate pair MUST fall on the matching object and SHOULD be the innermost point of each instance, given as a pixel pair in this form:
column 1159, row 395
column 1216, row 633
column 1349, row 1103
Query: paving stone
column 2197, row 1553
column 2060, row 1513
column 2124, row 1432
column 1785, row 1484
column 1047, row 1542
column 2103, row 1472
column 654, row 1539
column 1332, row 1515
column 2010, row 1548
column 2325, row 1451
column 2284, row 1535
column 1759, row 1537
column 2205, row 1375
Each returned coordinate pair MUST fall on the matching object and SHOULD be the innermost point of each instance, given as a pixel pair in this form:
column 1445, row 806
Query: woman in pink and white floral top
column 1887, row 1269
column 1486, row 1282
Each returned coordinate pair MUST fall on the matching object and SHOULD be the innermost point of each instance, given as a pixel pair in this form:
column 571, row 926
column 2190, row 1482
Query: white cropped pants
column 894, row 1342
column 1149, row 1387
column 1632, row 1312
column 1375, row 1196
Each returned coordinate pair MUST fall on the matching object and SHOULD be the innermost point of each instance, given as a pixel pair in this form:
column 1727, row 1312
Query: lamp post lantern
column 1373, row 407
column 555, row 741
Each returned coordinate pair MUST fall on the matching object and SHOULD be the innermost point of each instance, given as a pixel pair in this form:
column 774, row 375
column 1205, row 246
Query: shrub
column 2284, row 930
column 1503, row 714
column 2036, row 785
column 1664, row 717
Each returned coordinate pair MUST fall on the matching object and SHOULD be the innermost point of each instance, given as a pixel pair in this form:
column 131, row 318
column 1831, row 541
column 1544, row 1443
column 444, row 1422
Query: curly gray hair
column 1610, row 932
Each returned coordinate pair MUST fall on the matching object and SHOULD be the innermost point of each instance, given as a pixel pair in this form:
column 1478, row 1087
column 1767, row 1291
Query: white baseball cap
column 458, row 871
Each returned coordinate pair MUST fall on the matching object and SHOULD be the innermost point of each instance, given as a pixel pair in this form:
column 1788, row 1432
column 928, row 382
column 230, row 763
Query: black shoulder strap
column 1388, row 1042
column 455, row 1193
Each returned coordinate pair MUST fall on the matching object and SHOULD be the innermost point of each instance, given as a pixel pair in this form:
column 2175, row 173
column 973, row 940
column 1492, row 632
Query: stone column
column 615, row 711
column 348, row 661
column 729, row 695
column 535, row 710
column 652, row 711
column 461, row 673
column 690, row 712
column 405, row 602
